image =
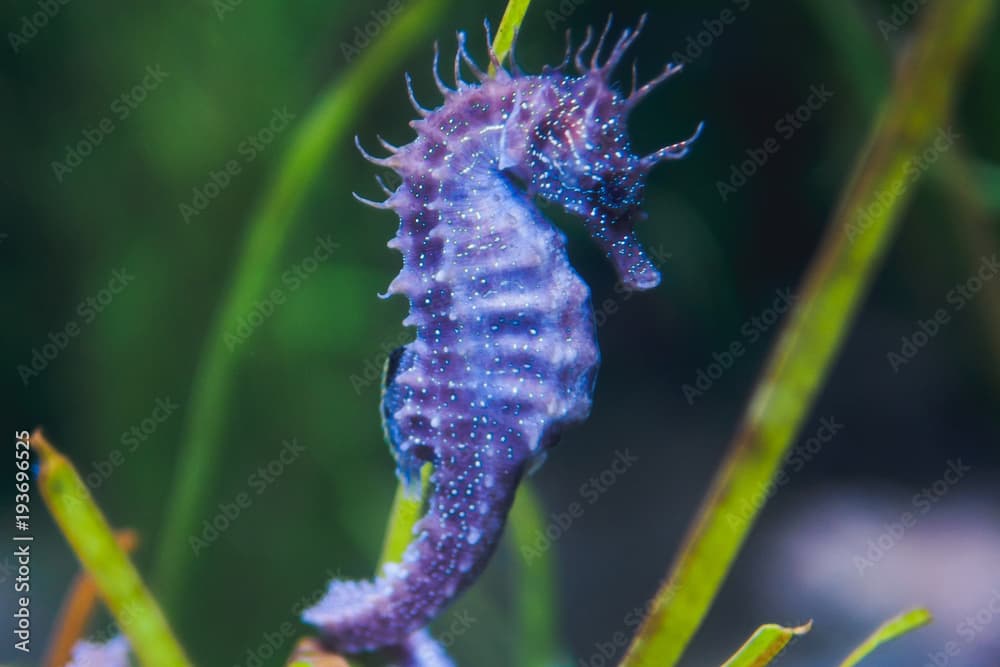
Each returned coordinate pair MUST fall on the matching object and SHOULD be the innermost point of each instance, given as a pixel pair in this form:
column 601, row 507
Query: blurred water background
column 138, row 140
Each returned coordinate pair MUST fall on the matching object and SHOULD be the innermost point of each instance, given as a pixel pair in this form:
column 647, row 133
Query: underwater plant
column 506, row 356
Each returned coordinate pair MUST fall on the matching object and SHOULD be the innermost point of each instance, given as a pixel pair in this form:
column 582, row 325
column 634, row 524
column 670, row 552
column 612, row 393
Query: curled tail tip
column 344, row 602
column 340, row 607
column 421, row 650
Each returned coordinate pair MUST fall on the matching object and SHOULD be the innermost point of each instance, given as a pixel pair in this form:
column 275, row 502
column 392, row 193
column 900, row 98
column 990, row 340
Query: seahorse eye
column 618, row 192
column 615, row 189
column 590, row 182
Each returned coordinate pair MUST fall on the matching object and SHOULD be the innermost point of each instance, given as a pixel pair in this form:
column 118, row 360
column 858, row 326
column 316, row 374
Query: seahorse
column 506, row 354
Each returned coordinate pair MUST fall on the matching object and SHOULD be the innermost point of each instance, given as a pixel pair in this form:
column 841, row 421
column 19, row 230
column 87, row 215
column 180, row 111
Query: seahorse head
column 576, row 152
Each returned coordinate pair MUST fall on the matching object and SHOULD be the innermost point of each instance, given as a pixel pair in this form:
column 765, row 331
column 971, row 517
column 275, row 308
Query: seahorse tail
column 420, row 650
column 466, row 513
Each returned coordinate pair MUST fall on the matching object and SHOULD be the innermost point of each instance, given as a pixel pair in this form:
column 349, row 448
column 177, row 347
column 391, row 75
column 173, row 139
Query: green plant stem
column 537, row 631
column 513, row 16
column 95, row 545
column 866, row 67
column 326, row 125
column 891, row 629
column 765, row 645
column 837, row 279
column 406, row 511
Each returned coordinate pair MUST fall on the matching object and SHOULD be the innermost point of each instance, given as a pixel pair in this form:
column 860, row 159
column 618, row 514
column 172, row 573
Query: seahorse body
column 506, row 354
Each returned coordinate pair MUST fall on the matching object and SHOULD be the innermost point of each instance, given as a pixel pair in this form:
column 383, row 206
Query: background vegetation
column 214, row 77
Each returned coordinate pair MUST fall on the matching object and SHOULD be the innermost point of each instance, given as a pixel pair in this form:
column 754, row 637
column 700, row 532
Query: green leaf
column 536, row 645
column 836, row 282
column 765, row 645
column 513, row 16
column 406, row 511
column 94, row 543
column 891, row 629
column 328, row 123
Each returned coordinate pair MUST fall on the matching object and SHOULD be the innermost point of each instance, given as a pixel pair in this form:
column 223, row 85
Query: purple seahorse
column 506, row 354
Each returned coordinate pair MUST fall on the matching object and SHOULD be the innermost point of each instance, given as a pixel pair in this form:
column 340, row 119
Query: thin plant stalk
column 406, row 511
column 537, row 644
column 892, row 629
column 765, row 645
column 865, row 67
column 77, row 608
column 513, row 16
column 121, row 588
column 835, row 284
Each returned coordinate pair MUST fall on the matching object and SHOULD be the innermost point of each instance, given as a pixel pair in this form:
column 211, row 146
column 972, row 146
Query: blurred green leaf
column 838, row 277
column 891, row 629
column 95, row 545
column 406, row 511
column 330, row 121
column 513, row 16
column 969, row 194
column 537, row 644
column 765, row 644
